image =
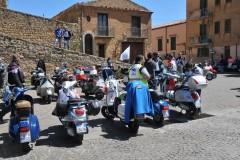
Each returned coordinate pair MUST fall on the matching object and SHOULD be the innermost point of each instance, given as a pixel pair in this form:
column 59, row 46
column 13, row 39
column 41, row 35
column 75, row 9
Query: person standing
column 2, row 68
column 150, row 65
column 180, row 62
column 15, row 78
column 109, row 63
column 138, row 72
column 58, row 34
column 67, row 35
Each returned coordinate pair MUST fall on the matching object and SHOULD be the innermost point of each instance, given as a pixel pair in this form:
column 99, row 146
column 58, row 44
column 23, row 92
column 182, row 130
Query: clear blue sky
column 164, row 11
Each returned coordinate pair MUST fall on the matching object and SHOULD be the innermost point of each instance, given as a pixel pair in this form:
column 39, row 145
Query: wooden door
column 135, row 49
column 88, row 44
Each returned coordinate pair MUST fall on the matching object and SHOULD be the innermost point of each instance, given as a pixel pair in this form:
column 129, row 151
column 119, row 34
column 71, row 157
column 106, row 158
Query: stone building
column 108, row 27
column 213, row 28
column 169, row 38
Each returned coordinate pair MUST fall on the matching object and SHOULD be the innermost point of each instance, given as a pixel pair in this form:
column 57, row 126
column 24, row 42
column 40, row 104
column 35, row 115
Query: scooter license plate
column 25, row 137
column 81, row 127
column 165, row 114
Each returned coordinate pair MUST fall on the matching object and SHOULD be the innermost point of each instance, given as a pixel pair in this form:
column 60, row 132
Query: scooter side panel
column 183, row 96
column 34, row 127
column 14, row 129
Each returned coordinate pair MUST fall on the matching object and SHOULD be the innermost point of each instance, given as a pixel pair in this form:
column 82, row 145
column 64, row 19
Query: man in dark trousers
column 15, row 78
column 150, row 65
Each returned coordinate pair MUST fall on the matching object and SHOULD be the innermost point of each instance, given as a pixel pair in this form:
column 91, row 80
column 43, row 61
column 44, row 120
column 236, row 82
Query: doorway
column 88, row 44
column 101, row 49
column 227, row 53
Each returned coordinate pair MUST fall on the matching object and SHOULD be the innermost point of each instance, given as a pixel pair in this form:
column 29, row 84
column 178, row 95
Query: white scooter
column 46, row 89
column 185, row 95
column 73, row 111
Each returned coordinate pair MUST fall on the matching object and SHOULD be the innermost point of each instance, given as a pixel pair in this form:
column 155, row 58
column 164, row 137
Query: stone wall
column 33, row 28
column 3, row 3
column 31, row 52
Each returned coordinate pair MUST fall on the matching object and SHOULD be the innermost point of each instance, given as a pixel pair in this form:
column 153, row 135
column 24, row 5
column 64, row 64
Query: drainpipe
column 81, row 30
column 236, row 52
column 166, row 41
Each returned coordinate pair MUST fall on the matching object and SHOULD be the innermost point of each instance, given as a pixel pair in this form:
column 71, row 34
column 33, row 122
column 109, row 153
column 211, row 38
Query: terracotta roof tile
column 170, row 24
column 118, row 4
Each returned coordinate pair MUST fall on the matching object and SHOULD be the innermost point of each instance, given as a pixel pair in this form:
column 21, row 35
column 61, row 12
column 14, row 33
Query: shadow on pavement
column 10, row 149
column 116, row 130
column 57, row 136
column 235, row 74
column 41, row 101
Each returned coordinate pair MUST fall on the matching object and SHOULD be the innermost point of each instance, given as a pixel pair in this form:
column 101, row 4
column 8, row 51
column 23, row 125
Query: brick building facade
column 169, row 38
column 213, row 28
column 108, row 27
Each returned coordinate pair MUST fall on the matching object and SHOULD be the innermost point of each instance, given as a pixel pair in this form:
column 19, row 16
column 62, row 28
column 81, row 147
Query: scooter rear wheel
column 133, row 127
column 26, row 147
column 79, row 137
column 158, row 118
column 49, row 99
column 192, row 112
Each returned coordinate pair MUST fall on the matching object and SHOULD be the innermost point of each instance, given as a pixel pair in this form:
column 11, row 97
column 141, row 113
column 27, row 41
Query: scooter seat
column 179, row 86
column 75, row 100
column 156, row 95
column 22, row 104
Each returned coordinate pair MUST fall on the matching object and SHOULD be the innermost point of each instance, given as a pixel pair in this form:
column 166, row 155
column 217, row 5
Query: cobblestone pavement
column 213, row 136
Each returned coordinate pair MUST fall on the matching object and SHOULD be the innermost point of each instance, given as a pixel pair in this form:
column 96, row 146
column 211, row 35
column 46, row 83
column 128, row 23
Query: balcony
column 200, row 14
column 105, row 32
column 137, row 33
column 201, row 40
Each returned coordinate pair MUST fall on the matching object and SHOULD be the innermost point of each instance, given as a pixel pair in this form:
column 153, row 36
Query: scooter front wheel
column 209, row 77
column 105, row 113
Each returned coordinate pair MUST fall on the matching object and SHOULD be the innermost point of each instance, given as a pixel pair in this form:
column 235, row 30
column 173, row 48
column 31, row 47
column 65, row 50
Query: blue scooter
column 23, row 124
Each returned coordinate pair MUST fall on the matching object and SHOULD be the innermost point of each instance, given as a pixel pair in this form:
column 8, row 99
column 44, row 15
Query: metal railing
column 137, row 32
column 105, row 31
column 200, row 13
column 201, row 40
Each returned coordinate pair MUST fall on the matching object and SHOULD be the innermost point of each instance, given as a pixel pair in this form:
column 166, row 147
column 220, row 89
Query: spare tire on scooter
column 99, row 95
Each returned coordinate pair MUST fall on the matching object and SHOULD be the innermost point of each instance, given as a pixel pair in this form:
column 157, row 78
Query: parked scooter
column 23, row 124
column 185, row 95
column 73, row 111
column 209, row 72
column 81, row 78
column 115, row 108
column 46, row 89
column 36, row 77
column 94, row 86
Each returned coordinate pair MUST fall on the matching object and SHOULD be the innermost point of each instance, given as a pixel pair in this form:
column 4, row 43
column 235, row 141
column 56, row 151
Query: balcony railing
column 105, row 32
column 137, row 33
column 201, row 13
column 201, row 40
